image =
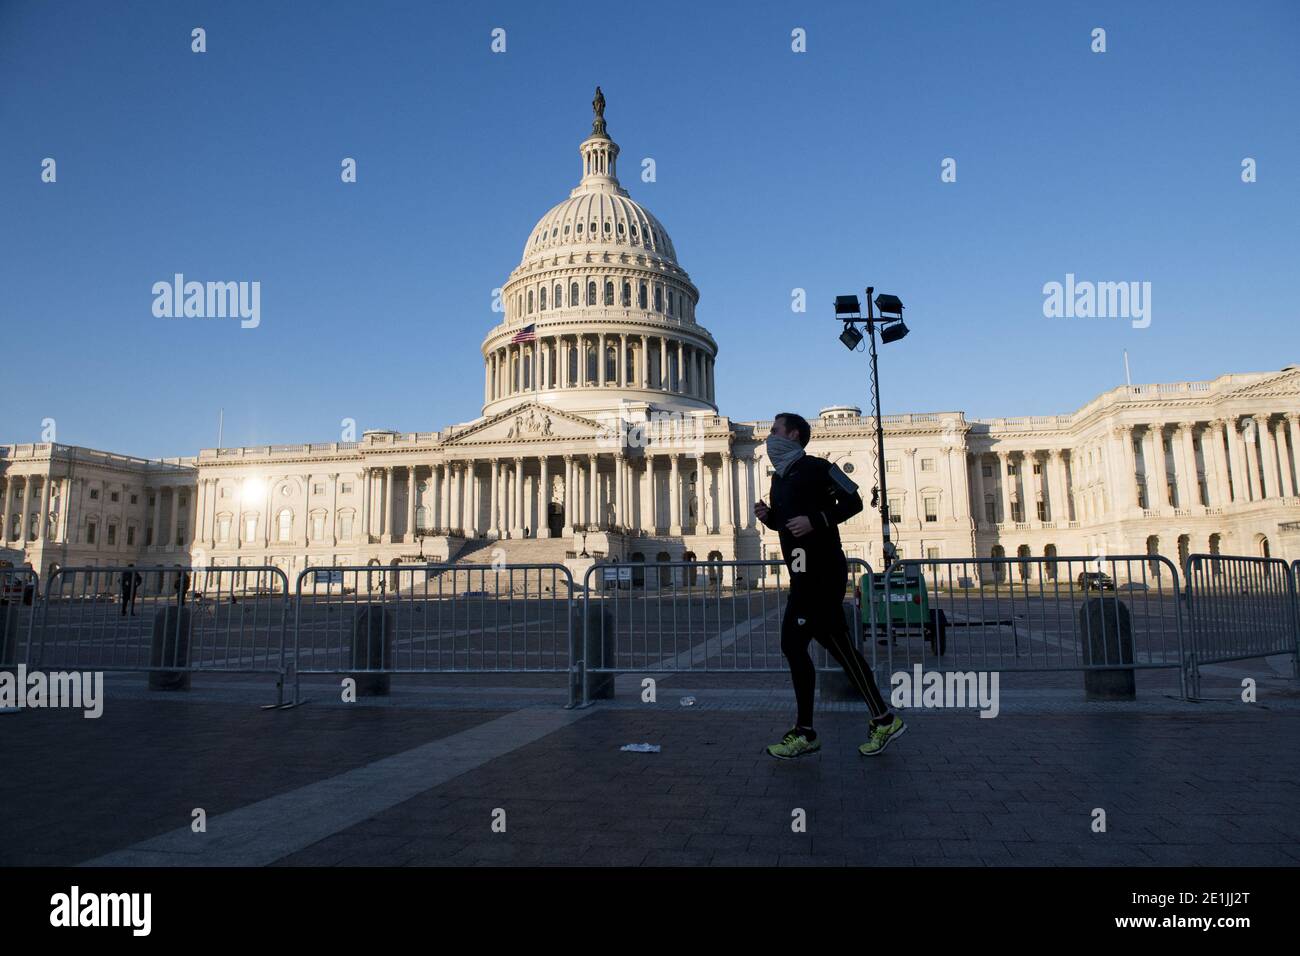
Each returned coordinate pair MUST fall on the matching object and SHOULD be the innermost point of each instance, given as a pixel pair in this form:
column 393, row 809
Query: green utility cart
column 909, row 609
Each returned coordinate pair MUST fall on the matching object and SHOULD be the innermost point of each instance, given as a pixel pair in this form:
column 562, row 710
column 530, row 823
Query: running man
column 810, row 496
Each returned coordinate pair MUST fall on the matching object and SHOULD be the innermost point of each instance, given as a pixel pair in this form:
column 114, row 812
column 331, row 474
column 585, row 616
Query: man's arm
column 841, row 500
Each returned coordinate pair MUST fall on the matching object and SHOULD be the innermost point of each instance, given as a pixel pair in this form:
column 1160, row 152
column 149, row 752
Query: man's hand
column 799, row 526
column 760, row 510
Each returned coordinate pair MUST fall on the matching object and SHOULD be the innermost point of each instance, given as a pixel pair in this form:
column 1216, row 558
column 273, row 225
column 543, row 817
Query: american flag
column 525, row 334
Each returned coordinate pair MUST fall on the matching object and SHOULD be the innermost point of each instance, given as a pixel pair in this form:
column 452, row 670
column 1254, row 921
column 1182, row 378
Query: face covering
column 784, row 452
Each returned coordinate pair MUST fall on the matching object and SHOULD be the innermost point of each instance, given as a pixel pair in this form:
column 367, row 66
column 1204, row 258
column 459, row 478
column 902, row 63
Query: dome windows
column 573, row 294
column 607, row 226
column 566, row 228
column 559, row 295
column 542, row 300
column 591, row 293
column 627, row 295
column 579, row 228
column 641, row 297
column 609, row 293
column 620, row 229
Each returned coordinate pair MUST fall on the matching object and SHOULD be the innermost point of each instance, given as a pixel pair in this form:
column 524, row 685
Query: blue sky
column 776, row 171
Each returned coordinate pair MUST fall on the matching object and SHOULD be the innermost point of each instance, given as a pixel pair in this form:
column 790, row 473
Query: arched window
column 579, row 228
column 559, row 295
column 671, row 301
column 541, row 305
column 317, row 525
column 592, row 375
column 591, row 293
column 573, row 294
column 421, row 517
column 611, row 363
column 627, row 295
column 528, row 370
column 659, row 298
column 609, row 293
column 284, row 525
column 640, row 297
column 530, row 301
column 629, row 373
column 573, row 366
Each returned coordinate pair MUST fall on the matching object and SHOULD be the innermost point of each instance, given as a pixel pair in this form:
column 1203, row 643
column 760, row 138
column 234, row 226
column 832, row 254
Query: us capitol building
column 600, row 433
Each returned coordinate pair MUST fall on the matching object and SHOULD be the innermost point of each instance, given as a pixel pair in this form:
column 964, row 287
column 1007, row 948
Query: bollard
column 372, row 648
column 594, row 644
column 8, row 635
column 170, row 648
column 1107, row 630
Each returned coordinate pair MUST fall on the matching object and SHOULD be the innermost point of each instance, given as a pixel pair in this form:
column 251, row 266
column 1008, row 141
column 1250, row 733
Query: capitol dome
column 599, row 312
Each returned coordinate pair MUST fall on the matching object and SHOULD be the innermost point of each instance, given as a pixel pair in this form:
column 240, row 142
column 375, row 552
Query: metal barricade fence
column 433, row 619
column 165, row 619
column 19, row 590
column 691, row 617
column 1028, row 614
column 1241, row 607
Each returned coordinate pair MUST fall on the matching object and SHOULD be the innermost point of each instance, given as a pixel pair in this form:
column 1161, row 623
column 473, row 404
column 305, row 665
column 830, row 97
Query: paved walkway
column 422, row 779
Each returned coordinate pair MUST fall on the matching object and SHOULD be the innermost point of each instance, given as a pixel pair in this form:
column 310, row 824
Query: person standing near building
column 131, row 582
column 810, row 497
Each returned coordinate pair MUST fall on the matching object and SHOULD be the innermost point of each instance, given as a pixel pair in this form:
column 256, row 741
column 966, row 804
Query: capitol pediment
column 1286, row 382
column 529, row 422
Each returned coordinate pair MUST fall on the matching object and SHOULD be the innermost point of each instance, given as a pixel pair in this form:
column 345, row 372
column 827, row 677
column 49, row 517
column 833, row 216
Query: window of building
column 591, row 293
column 891, row 465
column 933, row 554
column 931, row 508
column 250, row 528
column 180, row 534
column 284, row 525
column 573, row 294
column 346, row 488
column 659, row 298
column 927, row 464
column 112, row 534
column 135, row 499
column 148, row 536
column 94, row 494
column 184, row 501
column 987, row 471
column 530, row 301
column 114, row 496
column 627, row 295
column 609, row 293
column 90, row 532
column 1038, row 468
column 559, row 295
column 1012, row 469
column 422, row 517
column 1042, row 511
column 317, row 488
column 223, row 529
column 641, row 296
column 225, row 493
column 130, row 537
column 541, row 299
column 895, row 508
column 318, row 526
column 345, row 527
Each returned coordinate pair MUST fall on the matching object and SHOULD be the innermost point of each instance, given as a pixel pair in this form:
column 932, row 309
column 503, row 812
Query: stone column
column 1293, row 426
column 650, row 520
column 306, row 511
column 621, row 377
column 5, row 526
column 664, row 381
column 333, row 516
column 600, row 362
column 728, row 495
column 386, row 476
column 1250, row 437
column 674, row 495
column 494, row 517
column 701, row 485
column 1054, row 493
column 1268, row 449
column 176, row 510
column 544, row 500
column 643, row 361
column 620, row 465
column 1157, row 434
column 569, row 517
column 1192, row 482
column 1005, row 483
column 410, row 505
column 978, row 460
column 42, row 518
column 681, row 368
column 1128, row 497
column 517, row 499
column 1029, row 487
column 1216, row 469
column 594, row 515
column 1236, row 460
column 157, row 517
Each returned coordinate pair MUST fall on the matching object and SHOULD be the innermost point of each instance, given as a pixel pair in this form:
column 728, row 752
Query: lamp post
column 891, row 327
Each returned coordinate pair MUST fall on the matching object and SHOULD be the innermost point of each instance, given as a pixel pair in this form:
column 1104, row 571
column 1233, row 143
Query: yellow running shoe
column 794, row 744
column 881, row 737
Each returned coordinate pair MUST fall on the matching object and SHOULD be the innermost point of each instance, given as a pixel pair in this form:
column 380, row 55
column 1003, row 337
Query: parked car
column 1135, row 586
column 1095, row 581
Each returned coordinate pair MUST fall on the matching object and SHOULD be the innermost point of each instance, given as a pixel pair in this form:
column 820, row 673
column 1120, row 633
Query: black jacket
column 820, row 490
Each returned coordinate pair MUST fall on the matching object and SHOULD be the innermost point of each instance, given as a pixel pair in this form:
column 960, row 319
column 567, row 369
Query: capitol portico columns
column 494, row 509
column 517, row 497
column 674, row 496
column 410, row 504
column 728, row 494
column 1284, row 460
column 544, row 500
column 1268, row 447
column 1004, row 484
column 1160, row 468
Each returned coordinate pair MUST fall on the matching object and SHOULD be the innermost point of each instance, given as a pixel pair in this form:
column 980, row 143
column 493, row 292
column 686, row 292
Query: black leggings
column 816, row 611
